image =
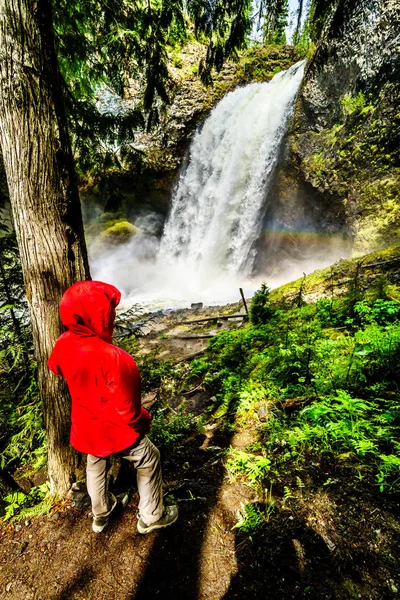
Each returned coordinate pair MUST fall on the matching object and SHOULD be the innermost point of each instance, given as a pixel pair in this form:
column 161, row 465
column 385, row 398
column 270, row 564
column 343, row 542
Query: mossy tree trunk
column 44, row 197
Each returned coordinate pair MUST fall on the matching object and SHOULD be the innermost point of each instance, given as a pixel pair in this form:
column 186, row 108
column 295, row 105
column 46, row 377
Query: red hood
column 88, row 308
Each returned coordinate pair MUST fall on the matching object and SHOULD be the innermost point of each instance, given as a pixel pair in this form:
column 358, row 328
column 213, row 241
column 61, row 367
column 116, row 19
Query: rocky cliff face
column 129, row 193
column 359, row 51
column 191, row 101
column 346, row 134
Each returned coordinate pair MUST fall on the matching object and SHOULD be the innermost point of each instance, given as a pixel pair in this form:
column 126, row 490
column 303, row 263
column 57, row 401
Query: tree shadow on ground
column 173, row 567
column 286, row 558
column 283, row 559
column 80, row 581
column 95, row 560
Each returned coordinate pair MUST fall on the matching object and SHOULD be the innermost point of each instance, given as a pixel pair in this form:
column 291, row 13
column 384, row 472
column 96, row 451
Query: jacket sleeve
column 122, row 385
column 53, row 363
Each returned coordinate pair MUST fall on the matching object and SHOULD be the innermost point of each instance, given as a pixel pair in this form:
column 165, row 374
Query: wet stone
column 196, row 305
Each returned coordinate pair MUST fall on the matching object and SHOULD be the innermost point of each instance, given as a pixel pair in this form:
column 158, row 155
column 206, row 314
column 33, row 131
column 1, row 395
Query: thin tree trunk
column 296, row 35
column 44, row 198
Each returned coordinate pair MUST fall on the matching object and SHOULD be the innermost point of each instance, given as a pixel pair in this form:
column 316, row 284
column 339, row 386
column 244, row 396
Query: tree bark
column 296, row 35
column 45, row 200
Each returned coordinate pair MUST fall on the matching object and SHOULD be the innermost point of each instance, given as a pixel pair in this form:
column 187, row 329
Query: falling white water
column 208, row 247
column 216, row 210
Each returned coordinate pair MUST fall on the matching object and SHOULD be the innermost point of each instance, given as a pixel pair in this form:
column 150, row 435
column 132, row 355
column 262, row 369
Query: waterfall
column 219, row 202
column 208, row 247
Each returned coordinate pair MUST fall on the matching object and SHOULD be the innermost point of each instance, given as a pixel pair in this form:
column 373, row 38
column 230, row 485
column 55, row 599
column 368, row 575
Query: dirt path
column 59, row 557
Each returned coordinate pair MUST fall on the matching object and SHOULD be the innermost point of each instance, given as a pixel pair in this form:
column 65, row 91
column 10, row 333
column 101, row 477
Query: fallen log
column 217, row 318
column 194, row 337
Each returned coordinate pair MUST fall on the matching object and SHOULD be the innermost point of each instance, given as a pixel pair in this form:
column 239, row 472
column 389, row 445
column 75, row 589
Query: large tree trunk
column 44, row 197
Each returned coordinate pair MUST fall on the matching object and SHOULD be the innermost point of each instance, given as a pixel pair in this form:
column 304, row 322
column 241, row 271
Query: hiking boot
column 118, row 502
column 170, row 516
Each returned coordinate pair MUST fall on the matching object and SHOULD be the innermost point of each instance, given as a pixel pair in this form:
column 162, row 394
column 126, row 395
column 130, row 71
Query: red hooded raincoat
column 103, row 380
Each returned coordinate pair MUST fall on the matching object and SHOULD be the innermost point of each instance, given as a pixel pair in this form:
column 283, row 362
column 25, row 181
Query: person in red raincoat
column 107, row 416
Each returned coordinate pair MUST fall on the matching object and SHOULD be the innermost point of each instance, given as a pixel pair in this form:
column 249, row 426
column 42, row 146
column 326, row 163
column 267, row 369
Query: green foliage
column 252, row 518
column 336, row 362
column 14, row 502
column 318, row 163
column 356, row 160
column 388, row 476
column 355, row 105
column 15, row 335
column 381, row 311
column 261, row 309
column 261, row 63
column 167, row 429
column 254, row 468
column 199, row 367
column 24, row 506
column 301, row 37
column 21, row 435
column 108, row 44
column 273, row 14
column 319, row 14
column 103, row 48
column 224, row 25
column 353, row 429
column 154, row 372
column 27, row 440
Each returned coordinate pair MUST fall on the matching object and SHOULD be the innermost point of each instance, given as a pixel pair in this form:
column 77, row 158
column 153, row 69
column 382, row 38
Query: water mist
column 208, row 247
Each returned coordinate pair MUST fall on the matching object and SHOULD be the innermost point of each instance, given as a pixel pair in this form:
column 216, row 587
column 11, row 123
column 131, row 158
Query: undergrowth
column 325, row 378
column 167, row 428
column 20, row 505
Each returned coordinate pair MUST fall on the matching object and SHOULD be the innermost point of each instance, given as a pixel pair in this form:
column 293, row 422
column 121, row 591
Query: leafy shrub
column 381, row 311
column 166, row 430
column 251, row 519
column 351, row 428
column 388, row 476
column 22, row 506
column 253, row 468
column 261, row 309
column 153, row 371
column 27, row 442
column 340, row 374
column 330, row 313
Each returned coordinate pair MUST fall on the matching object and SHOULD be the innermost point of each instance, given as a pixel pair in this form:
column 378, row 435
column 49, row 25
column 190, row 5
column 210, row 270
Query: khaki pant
column 145, row 457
